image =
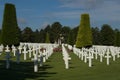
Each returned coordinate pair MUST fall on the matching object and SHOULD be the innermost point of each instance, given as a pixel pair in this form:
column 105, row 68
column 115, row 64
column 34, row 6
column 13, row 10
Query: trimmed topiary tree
column 10, row 30
column 84, row 36
column 47, row 38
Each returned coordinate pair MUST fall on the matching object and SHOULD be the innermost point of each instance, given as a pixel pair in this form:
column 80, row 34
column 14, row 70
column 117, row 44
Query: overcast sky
column 39, row 13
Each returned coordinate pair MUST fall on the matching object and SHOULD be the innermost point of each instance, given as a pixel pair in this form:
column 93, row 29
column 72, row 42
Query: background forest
column 101, row 36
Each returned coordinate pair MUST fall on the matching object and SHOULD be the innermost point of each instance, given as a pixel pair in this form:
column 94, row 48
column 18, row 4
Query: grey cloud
column 67, row 14
column 22, row 21
column 81, row 4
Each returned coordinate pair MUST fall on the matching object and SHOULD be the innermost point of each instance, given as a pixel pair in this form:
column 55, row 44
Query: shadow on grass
column 23, row 71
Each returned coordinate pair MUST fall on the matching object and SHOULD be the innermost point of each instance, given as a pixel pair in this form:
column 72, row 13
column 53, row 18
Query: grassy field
column 54, row 69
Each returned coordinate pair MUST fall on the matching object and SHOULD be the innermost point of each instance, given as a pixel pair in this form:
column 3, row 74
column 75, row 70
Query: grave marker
column 18, row 57
column 30, row 52
column 14, row 50
column 25, row 52
column 90, row 59
column 35, row 59
column 7, row 57
column 1, row 49
column 20, row 49
column 107, row 56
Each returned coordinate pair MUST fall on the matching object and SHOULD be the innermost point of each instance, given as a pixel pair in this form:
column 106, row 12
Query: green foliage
column 71, row 38
column 47, row 29
column 84, row 37
column 55, row 31
column 74, row 34
column 47, row 38
column 117, row 38
column 42, row 36
column 96, row 36
column 0, row 36
column 10, row 31
column 27, row 35
column 107, row 35
column 65, row 33
column 36, row 36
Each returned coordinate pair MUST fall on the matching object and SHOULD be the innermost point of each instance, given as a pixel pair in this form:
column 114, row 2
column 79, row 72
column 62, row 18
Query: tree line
column 100, row 36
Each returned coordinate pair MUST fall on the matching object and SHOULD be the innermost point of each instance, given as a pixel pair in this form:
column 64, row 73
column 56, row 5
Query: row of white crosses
column 97, row 51
column 38, row 55
column 66, row 57
column 35, row 51
column 31, row 49
column 108, row 52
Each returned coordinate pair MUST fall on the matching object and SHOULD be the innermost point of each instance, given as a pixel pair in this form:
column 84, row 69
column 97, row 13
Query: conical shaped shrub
column 84, row 36
column 10, row 31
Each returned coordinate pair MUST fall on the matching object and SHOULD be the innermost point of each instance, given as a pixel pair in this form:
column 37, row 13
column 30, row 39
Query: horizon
column 39, row 14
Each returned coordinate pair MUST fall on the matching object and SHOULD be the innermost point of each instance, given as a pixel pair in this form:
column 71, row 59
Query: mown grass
column 54, row 69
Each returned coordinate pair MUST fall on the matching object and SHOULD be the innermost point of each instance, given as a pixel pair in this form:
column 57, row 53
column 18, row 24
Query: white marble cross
column 40, row 59
column 66, row 57
column 1, row 49
column 82, row 53
column 101, row 57
column 90, row 57
column 30, row 52
column 66, row 62
column 34, row 50
column 14, row 50
column 85, row 57
column 113, row 54
column 117, row 51
column 25, row 52
column 44, row 54
column 35, row 59
column 118, row 54
column 79, row 53
column 7, row 57
column 17, row 57
column 92, row 52
column 7, row 49
column 108, row 56
column 20, row 49
column 96, row 54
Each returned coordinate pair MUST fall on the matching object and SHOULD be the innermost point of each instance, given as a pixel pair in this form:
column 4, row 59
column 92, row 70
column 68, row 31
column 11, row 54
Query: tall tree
column 107, row 35
column 36, row 36
column 117, row 38
column 47, row 29
column 42, row 36
column 84, row 37
column 55, row 31
column 47, row 38
column 10, row 31
column 96, row 36
column 71, row 38
column 27, row 35
column 65, row 33
column 74, row 32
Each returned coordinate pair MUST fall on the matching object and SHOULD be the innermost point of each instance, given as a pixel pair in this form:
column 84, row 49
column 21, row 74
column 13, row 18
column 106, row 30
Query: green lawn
column 54, row 69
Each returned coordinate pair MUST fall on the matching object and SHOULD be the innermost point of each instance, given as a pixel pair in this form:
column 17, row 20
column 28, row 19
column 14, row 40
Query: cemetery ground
column 54, row 69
